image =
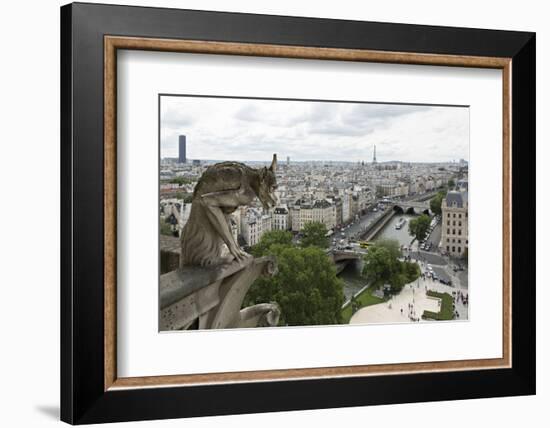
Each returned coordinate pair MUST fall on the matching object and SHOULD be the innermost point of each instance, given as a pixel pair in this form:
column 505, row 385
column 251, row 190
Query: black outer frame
column 83, row 399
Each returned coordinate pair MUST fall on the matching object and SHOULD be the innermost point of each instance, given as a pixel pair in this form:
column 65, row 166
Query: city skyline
column 252, row 129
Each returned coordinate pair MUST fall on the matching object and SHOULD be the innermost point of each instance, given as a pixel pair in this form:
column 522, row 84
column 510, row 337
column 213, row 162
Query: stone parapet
column 211, row 297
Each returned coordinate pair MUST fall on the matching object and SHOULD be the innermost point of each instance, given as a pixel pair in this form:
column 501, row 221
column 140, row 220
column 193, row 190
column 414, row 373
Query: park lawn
column 446, row 313
column 365, row 299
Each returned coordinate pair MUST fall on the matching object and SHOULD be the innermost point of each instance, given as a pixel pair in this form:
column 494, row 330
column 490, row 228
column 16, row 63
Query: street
column 354, row 229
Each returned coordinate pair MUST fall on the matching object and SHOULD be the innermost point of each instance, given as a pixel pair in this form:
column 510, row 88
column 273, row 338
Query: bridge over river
column 417, row 205
column 412, row 207
column 341, row 258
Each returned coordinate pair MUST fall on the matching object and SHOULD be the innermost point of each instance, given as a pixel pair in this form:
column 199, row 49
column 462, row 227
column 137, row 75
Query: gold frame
column 112, row 43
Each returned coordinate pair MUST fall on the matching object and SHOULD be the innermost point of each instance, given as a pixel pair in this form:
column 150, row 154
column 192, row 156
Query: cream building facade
column 454, row 223
column 281, row 218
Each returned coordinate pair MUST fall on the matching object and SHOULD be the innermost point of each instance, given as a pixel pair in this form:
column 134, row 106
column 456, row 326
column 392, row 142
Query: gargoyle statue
column 220, row 191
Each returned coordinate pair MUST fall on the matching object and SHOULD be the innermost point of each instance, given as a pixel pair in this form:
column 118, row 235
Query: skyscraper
column 374, row 155
column 288, row 161
column 182, row 158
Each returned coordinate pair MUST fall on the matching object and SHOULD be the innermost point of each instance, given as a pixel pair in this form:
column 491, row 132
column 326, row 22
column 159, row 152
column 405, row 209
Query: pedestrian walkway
column 408, row 305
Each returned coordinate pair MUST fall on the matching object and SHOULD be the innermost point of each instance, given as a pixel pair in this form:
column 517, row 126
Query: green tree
column 407, row 272
column 180, row 180
column 418, row 227
column 273, row 237
column 382, row 266
column 392, row 245
column 451, row 183
column 315, row 234
column 411, row 270
column 435, row 203
column 381, row 262
column 306, row 287
column 379, row 265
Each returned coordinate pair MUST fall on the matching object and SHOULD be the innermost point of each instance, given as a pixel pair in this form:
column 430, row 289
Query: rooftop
column 456, row 198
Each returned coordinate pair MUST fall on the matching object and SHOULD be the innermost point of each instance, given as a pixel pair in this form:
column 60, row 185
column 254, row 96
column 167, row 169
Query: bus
column 365, row 244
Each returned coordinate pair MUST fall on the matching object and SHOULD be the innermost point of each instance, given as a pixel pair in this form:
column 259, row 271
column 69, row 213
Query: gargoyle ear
column 273, row 166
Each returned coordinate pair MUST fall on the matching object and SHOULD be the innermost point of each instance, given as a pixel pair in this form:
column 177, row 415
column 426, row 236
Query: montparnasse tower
column 374, row 155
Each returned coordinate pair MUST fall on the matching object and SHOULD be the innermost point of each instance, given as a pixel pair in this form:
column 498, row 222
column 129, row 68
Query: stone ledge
column 182, row 282
column 214, row 296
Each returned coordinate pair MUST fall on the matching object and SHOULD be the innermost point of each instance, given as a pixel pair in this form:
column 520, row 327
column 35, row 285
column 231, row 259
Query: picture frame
column 91, row 391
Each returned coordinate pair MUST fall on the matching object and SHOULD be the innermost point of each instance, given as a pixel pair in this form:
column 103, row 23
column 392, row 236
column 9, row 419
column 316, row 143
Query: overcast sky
column 247, row 130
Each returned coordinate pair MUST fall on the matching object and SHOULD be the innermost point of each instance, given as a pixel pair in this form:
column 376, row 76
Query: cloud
column 248, row 113
column 174, row 117
column 249, row 129
column 381, row 112
column 270, row 113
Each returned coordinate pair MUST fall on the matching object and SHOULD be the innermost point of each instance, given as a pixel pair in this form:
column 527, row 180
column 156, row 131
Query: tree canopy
column 382, row 266
column 451, row 183
column 273, row 237
column 180, row 180
column 306, row 287
column 418, row 227
column 391, row 245
column 379, row 266
column 315, row 235
column 435, row 203
column 381, row 261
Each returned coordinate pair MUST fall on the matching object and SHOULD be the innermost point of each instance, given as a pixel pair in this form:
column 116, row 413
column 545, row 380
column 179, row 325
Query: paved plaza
column 411, row 302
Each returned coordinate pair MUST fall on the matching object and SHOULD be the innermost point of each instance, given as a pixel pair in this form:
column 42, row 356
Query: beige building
column 295, row 218
column 323, row 212
column 311, row 210
column 393, row 189
column 281, row 218
column 252, row 226
column 454, row 223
